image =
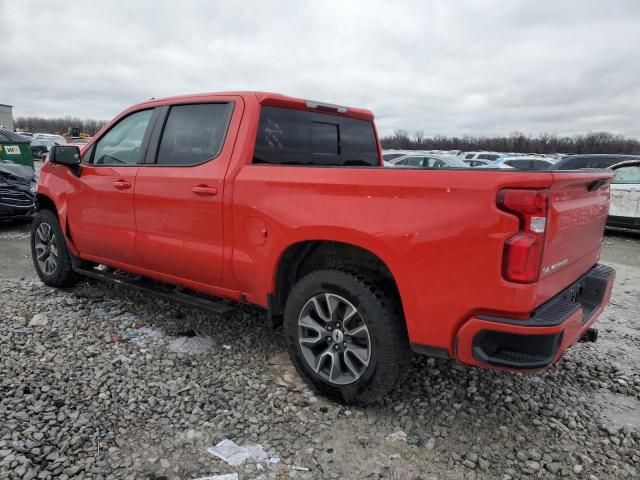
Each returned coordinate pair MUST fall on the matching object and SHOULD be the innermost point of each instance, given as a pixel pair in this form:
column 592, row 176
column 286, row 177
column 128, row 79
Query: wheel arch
column 46, row 202
column 305, row 256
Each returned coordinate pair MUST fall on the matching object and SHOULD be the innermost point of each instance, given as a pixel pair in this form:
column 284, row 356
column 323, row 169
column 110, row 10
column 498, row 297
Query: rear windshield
column 298, row 137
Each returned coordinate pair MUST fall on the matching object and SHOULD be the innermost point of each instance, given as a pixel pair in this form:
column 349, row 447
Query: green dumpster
column 15, row 148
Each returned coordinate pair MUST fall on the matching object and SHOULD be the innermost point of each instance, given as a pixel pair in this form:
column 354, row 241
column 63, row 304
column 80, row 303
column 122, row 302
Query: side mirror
column 65, row 155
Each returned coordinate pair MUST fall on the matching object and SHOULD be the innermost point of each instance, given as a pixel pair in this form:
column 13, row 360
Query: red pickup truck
column 284, row 203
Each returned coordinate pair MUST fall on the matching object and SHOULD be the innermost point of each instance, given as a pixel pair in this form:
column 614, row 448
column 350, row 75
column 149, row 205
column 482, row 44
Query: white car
column 521, row 163
column 491, row 156
column 426, row 160
column 625, row 196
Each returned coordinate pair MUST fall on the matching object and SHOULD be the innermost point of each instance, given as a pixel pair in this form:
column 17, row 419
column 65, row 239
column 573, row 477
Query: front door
column 179, row 191
column 100, row 206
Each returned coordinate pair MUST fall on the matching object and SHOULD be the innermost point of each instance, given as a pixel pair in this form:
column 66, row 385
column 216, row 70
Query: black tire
column 389, row 352
column 62, row 275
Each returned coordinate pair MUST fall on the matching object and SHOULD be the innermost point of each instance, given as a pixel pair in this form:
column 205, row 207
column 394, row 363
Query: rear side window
column 297, row 137
column 193, row 134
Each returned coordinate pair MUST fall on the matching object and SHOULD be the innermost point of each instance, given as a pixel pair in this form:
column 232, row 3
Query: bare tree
column 592, row 142
column 58, row 125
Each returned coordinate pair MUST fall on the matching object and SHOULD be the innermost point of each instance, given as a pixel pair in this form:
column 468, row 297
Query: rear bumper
column 540, row 340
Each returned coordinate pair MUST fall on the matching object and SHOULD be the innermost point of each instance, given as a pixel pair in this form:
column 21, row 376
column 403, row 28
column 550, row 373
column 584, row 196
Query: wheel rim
column 46, row 249
column 334, row 338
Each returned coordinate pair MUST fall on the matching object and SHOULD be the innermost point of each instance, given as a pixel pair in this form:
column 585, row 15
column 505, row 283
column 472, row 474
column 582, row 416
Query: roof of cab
column 264, row 98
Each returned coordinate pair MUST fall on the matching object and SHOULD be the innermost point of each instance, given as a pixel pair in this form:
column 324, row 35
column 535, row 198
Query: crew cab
column 283, row 203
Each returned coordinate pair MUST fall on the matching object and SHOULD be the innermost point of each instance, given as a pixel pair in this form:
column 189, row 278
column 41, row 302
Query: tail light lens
column 522, row 255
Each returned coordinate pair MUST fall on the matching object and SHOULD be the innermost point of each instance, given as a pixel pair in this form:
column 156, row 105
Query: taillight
column 522, row 255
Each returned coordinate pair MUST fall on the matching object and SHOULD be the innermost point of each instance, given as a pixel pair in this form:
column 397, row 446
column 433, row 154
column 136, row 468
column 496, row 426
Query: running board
column 168, row 292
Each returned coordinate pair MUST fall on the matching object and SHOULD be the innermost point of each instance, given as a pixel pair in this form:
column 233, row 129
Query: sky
column 484, row 67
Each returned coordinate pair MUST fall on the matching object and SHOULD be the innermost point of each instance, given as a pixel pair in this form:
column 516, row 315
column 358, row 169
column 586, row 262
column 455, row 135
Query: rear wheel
column 345, row 336
column 51, row 258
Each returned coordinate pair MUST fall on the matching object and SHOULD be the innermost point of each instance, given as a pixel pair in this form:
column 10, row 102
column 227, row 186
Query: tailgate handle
column 204, row 190
column 593, row 186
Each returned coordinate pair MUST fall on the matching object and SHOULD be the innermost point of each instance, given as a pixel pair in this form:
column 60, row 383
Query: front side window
column 299, row 137
column 122, row 144
column 193, row 134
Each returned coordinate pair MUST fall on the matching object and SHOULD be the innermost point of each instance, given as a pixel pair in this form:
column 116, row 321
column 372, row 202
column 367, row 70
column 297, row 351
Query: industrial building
column 6, row 117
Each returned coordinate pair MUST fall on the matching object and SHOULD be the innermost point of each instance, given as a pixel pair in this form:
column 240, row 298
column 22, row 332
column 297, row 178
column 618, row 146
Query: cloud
column 452, row 68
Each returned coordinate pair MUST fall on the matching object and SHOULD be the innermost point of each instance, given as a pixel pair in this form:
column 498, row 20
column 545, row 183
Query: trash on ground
column 285, row 373
column 224, row 476
column 39, row 320
column 235, row 454
column 398, row 436
column 191, row 345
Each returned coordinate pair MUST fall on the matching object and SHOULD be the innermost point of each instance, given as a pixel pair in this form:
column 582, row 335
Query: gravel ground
column 99, row 382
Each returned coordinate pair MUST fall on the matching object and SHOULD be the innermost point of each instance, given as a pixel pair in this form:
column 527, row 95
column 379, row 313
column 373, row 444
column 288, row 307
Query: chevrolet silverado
column 283, row 203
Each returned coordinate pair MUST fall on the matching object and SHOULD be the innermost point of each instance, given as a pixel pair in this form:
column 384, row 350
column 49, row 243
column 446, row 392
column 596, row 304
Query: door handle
column 121, row 184
column 204, row 190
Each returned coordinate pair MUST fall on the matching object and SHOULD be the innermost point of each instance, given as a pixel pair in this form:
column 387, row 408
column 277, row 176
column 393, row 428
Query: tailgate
column 578, row 208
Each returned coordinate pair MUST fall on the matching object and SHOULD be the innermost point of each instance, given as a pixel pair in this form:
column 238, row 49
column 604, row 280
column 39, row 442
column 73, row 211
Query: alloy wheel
column 46, row 250
column 334, row 338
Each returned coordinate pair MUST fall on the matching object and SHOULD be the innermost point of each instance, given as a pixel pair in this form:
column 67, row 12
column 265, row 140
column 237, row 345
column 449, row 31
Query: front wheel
column 345, row 335
column 51, row 258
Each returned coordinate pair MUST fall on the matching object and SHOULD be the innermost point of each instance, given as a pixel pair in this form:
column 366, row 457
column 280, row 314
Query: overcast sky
column 442, row 67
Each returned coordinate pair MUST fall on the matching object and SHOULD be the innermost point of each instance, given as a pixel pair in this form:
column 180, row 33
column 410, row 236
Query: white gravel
column 121, row 385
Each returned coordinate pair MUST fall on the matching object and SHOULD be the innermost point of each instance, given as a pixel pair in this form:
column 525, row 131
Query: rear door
column 578, row 207
column 179, row 190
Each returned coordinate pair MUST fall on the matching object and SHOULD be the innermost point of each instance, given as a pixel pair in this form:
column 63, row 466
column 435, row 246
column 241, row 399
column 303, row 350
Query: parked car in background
column 17, row 190
column 388, row 155
column 418, row 160
column 522, row 163
column 491, row 156
column 42, row 143
column 625, row 196
column 477, row 163
column 577, row 162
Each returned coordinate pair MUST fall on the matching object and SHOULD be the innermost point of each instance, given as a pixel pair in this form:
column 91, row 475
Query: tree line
column 593, row 142
column 59, row 125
